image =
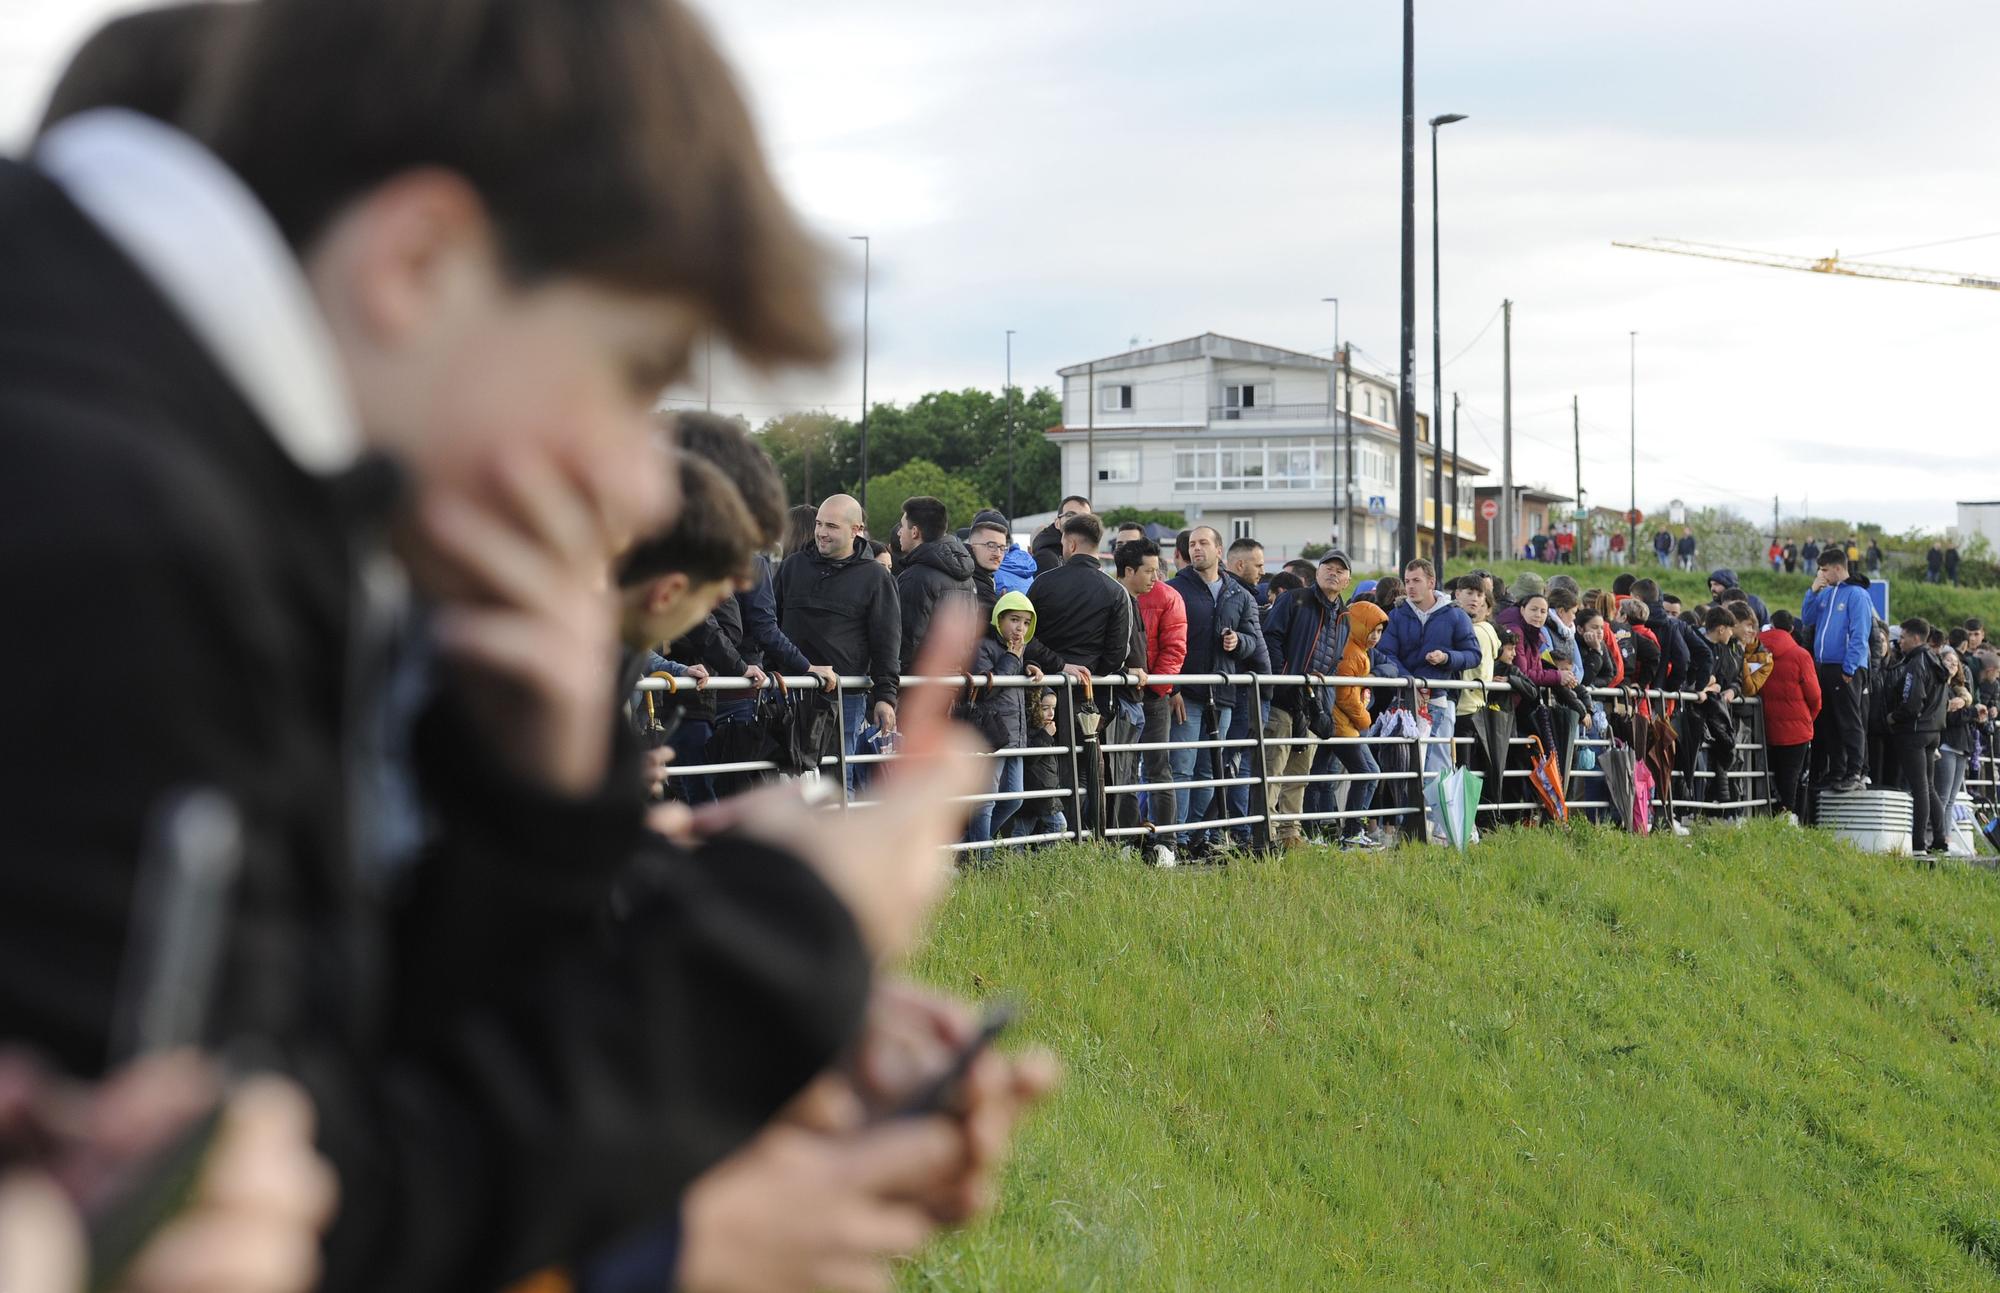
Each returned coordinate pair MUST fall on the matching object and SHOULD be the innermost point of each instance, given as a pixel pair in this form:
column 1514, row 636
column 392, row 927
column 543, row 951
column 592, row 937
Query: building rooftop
column 1209, row 345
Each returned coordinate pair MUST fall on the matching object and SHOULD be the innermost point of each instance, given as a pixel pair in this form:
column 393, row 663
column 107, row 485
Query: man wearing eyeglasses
column 989, row 542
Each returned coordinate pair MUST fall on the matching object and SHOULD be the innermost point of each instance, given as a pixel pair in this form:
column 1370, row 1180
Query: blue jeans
column 1319, row 796
column 690, row 746
column 1196, row 765
column 1666, row 559
column 853, row 717
column 1358, row 760
column 992, row 816
column 1235, row 761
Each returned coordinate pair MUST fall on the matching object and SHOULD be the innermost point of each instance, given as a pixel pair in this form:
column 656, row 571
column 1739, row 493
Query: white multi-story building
column 1241, row 436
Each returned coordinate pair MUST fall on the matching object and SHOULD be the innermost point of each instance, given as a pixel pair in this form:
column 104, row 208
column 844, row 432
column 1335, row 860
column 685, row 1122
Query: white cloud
column 1087, row 173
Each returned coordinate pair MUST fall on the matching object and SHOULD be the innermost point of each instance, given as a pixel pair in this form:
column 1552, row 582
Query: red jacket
column 1791, row 693
column 1165, row 617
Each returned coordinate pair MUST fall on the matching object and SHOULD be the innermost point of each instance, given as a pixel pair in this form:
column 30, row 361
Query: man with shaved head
column 839, row 606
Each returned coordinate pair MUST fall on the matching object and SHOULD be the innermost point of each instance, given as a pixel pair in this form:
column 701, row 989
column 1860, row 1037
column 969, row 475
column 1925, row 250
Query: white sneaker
column 1163, row 856
column 1791, row 819
column 1680, row 829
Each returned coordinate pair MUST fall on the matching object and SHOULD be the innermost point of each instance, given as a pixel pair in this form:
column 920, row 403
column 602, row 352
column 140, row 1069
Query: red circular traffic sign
column 1634, row 517
column 1489, row 509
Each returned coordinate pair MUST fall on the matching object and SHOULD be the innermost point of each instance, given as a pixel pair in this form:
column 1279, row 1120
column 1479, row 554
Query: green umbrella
column 1453, row 798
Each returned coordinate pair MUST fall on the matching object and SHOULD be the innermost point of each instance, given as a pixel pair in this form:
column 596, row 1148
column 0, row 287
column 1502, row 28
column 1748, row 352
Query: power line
column 1919, row 246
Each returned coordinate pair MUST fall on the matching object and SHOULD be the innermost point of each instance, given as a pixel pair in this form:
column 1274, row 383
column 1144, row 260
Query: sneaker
column 1362, row 840
column 1163, row 857
column 1790, row 819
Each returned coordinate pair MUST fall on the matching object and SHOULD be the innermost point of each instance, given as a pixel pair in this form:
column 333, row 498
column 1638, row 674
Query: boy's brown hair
column 727, row 443
column 145, row 62
column 713, row 536
column 607, row 139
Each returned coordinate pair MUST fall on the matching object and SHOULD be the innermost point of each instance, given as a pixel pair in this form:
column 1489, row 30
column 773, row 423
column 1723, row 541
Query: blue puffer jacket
column 1410, row 637
column 1017, row 570
column 1840, row 618
column 1207, row 617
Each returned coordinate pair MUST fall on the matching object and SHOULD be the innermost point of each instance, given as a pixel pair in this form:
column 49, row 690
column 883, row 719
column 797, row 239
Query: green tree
column 965, row 433
column 1117, row 516
column 886, row 494
column 816, row 452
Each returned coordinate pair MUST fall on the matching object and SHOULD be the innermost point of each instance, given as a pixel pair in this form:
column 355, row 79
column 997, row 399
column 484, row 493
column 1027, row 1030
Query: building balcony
column 1268, row 413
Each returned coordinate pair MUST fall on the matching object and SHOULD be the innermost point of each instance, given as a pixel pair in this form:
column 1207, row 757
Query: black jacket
column 936, row 570
column 843, row 613
column 983, row 588
column 1686, row 663
column 497, row 1083
column 1046, row 547
column 1918, row 695
column 1207, row 617
column 1082, row 615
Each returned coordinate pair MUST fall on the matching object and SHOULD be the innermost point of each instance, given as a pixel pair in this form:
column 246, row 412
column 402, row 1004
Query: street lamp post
column 1631, row 526
column 1010, row 426
column 1406, row 411
column 1333, row 421
column 867, row 250
column 1437, row 361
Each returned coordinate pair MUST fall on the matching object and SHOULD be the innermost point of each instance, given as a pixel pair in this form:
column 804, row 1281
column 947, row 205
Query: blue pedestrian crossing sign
column 1377, row 505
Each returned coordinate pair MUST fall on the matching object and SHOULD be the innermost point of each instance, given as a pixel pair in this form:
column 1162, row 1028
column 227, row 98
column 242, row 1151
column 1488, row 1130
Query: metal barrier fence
column 1081, row 752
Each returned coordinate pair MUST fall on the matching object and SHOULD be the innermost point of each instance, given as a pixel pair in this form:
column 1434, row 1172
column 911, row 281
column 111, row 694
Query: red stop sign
column 1635, row 517
column 1489, row 508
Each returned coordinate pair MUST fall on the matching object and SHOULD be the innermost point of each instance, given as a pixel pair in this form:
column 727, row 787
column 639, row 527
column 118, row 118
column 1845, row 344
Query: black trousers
column 1840, row 733
column 1913, row 759
column 1788, row 776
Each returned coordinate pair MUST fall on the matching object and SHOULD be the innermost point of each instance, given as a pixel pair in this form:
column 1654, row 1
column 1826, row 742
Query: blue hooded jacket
column 1017, row 570
column 1841, row 618
column 1410, row 637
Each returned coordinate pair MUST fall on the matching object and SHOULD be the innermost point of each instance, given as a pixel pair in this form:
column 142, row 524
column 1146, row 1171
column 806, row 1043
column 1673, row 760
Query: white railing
column 1084, row 795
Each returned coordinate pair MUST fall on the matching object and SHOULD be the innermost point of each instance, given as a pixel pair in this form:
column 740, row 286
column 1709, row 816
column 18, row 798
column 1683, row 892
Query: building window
column 1117, row 465
column 1253, row 465
column 1248, row 399
column 1240, row 527
column 1113, row 399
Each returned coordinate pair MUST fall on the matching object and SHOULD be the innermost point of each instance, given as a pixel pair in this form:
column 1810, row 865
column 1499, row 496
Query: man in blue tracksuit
column 1430, row 637
column 1841, row 616
column 1224, row 635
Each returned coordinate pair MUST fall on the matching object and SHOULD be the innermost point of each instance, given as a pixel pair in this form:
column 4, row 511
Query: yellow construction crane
column 1816, row 264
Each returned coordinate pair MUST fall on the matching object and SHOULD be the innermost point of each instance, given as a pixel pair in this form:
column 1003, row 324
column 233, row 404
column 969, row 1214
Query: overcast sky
column 1090, row 173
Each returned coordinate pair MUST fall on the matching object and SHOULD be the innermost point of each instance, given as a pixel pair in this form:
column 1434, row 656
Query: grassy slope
column 1937, row 603
column 1752, row 1059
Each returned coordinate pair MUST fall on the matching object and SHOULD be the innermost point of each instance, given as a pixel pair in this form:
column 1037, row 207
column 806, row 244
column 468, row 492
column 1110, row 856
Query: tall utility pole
column 1631, row 526
column 1333, row 420
column 1406, row 404
column 1507, row 432
column 708, row 371
column 1437, row 362
column 1010, row 426
column 1774, row 518
column 1576, row 442
column 1454, row 464
column 1347, row 428
column 867, row 250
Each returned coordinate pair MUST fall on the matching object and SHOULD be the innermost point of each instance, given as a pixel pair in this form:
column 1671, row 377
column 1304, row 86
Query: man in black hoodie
column 935, row 566
column 1047, row 546
column 1917, row 701
column 1686, row 663
column 839, row 605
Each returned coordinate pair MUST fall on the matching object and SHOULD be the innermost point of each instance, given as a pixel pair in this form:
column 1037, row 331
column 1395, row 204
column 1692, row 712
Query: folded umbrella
column 1454, row 799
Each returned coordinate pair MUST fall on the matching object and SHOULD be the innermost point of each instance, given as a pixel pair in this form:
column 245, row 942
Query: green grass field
column 1749, row 1059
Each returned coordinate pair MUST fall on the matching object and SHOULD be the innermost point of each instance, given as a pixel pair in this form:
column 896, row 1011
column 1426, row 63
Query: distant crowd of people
column 1537, row 647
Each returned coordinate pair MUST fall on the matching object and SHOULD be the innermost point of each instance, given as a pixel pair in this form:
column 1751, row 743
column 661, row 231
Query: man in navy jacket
column 1225, row 634
column 1430, row 637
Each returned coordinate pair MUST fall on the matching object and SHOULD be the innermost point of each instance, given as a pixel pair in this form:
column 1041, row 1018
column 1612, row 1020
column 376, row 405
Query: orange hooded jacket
column 1350, row 704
